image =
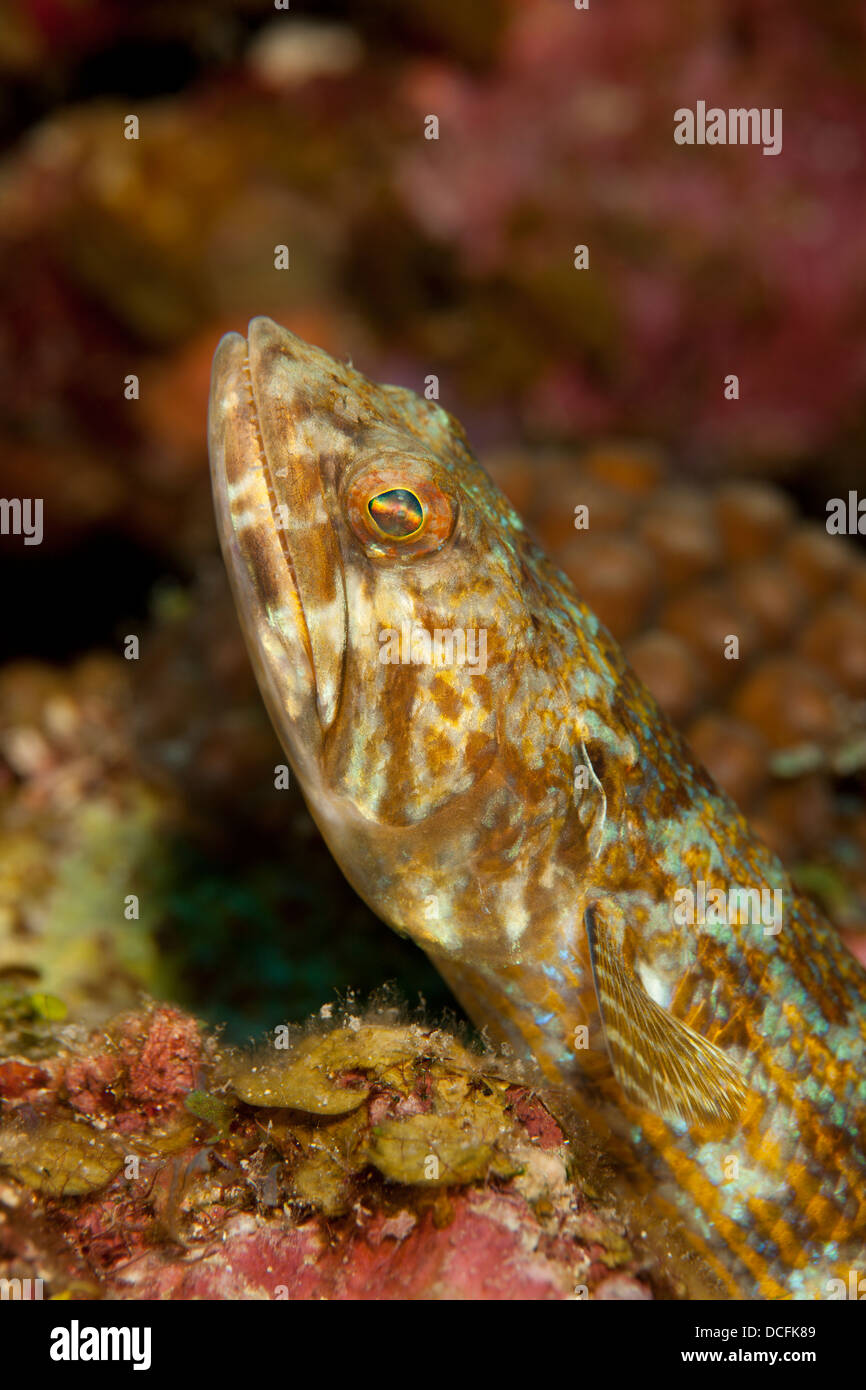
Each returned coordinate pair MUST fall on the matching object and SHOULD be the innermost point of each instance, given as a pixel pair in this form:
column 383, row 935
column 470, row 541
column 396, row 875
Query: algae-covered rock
column 422, row 1113
column 333, row 1074
column 436, row 1149
column 324, row 1183
column 310, row 1079
column 59, row 1158
column 443, row 1180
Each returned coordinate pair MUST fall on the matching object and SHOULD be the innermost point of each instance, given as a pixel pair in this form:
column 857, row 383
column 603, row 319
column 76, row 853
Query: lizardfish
column 499, row 786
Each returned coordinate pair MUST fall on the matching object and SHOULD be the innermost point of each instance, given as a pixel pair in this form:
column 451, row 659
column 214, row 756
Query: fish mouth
column 277, row 535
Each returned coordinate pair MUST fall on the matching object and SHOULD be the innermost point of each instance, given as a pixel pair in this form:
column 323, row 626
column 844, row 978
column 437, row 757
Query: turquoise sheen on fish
column 533, row 822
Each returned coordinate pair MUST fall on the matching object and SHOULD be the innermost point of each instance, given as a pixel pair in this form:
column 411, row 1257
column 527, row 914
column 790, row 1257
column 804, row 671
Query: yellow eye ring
column 398, row 511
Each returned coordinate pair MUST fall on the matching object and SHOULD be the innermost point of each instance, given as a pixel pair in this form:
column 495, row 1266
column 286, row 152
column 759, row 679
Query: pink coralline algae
column 489, row 1250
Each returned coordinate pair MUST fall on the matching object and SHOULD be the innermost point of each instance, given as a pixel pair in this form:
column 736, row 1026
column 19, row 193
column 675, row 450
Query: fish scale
column 532, row 824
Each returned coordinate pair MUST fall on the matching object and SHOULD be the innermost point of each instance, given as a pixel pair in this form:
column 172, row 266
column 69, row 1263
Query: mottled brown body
column 493, row 811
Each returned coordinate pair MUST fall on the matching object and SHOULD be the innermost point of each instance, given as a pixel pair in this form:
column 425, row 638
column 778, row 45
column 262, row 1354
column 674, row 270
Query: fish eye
column 397, row 512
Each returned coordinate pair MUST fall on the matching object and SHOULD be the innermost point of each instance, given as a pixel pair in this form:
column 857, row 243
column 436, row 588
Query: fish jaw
column 276, row 535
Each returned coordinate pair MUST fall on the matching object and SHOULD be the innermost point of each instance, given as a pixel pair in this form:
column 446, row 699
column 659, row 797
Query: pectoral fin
column 660, row 1063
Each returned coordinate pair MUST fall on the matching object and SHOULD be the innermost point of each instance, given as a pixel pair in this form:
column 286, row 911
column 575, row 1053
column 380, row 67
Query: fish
column 498, row 785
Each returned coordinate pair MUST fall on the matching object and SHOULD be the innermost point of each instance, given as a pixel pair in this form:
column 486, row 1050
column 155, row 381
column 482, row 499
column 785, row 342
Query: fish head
column 396, row 616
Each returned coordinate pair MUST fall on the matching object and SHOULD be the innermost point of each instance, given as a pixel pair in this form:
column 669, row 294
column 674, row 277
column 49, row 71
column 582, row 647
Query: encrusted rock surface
column 358, row 1157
